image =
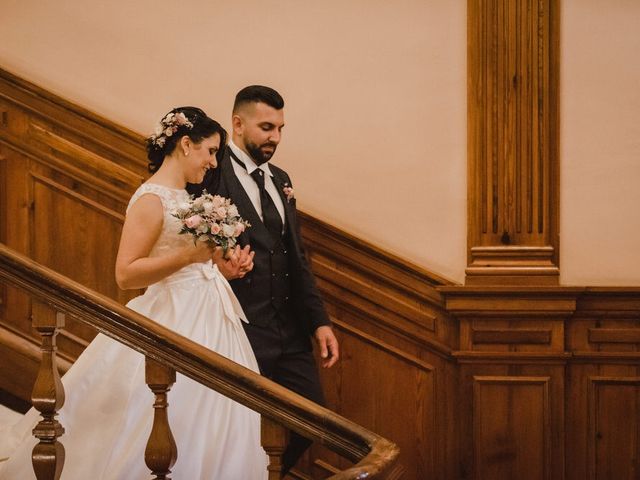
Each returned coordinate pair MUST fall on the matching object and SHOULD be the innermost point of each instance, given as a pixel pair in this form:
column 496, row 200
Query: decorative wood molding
column 511, row 358
column 326, row 466
column 85, row 201
column 62, row 166
column 512, row 142
column 510, row 336
column 29, row 348
column 614, row 335
column 611, row 301
column 605, row 357
column 390, row 292
column 85, row 159
column 512, row 302
column 383, row 346
column 108, row 137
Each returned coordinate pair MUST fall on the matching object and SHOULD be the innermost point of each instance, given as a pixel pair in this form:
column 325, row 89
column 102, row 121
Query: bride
column 108, row 410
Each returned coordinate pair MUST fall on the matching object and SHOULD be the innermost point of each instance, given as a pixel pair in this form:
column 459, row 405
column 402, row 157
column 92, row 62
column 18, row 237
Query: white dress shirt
column 249, row 184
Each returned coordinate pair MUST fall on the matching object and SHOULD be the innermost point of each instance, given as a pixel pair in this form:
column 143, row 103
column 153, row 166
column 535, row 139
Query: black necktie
column 270, row 216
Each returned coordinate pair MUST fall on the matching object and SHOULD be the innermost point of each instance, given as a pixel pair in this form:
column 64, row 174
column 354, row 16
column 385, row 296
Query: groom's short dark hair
column 258, row 93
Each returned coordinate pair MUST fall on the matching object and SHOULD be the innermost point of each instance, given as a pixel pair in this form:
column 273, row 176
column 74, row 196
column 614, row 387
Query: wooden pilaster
column 512, row 142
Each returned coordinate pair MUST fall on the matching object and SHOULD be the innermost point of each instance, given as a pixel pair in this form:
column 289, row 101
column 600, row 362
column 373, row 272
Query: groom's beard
column 260, row 156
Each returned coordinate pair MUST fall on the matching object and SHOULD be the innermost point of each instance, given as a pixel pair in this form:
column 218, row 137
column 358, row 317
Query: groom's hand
column 328, row 344
column 237, row 263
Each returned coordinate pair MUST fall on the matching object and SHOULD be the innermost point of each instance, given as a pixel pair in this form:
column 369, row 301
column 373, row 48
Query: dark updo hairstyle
column 202, row 127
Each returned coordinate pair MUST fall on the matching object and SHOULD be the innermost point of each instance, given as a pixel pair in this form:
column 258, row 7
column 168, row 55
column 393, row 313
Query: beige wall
column 375, row 90
column 600, row 142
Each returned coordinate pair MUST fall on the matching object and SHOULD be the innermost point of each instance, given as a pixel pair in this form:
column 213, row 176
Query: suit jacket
column 306, row 303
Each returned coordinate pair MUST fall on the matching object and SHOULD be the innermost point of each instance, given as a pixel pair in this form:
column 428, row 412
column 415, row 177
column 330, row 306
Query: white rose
column 208, row 208
column 232, row 211
column 218, row 201
column 228, row 230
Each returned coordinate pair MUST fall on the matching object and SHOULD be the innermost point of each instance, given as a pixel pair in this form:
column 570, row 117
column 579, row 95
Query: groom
column 278, row 295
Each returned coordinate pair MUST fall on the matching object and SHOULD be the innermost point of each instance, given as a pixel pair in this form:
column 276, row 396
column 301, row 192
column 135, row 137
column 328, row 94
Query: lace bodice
column 170, row 198
column 192, row 275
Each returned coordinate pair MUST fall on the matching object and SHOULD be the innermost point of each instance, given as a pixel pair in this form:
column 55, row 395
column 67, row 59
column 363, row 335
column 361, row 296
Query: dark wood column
column 512, row 142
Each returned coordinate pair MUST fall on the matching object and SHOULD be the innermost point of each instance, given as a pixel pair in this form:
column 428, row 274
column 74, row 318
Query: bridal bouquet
column 211, row 218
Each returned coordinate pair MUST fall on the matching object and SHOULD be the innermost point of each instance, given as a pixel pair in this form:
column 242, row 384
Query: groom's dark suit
column 279, row 295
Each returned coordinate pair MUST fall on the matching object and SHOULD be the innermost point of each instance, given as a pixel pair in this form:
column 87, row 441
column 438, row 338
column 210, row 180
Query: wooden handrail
column 375, row 455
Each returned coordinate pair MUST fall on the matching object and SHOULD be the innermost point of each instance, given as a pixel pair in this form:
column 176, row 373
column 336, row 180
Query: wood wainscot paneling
column 603, row 389
column 396, row 374
column 512, row 362
column 66, row 175
column 562, row 361
column 402, row 403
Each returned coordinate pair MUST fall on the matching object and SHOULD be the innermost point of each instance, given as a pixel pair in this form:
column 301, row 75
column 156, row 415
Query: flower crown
column 168, row 126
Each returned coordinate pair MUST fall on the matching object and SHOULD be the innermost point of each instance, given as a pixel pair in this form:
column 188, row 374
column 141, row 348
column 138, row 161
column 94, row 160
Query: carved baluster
column 161, row 452
column 274, row 440
column 47, row 396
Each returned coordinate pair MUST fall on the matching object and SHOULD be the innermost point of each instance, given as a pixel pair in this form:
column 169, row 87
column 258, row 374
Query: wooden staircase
column 55, row 297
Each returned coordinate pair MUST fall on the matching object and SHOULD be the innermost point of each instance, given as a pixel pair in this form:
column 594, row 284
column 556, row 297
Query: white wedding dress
column 108, row 410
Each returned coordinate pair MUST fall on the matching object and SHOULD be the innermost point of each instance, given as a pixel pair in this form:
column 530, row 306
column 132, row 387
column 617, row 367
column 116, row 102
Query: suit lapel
column 280, row 185
column 289, row 208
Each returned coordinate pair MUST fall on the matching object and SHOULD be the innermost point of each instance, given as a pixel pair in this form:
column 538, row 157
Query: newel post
column 161, row 452
column 274, row 439
column 47, row 396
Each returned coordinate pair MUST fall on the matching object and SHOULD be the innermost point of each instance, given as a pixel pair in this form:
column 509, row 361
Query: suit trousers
column 285, row 356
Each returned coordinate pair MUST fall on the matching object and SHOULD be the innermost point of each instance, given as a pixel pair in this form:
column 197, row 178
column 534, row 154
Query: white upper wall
column 600, row 142
column 375, row 97
column 375, row 94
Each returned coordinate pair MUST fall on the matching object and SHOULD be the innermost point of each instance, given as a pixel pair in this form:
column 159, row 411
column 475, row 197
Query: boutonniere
column 288, row 191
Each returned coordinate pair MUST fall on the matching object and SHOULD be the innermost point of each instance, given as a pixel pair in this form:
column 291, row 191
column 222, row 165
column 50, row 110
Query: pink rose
column 193, row 221
column 215, row 228
column 288, row 192
column 239, row 229
column 221, row 212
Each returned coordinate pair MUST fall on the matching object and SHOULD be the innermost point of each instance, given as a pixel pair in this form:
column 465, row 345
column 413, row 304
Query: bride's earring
column 186, row 154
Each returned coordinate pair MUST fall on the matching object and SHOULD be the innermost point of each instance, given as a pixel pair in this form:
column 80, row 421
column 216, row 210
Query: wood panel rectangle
column 511, row 427
column 614, row 428
column 614, row 335
column 511, row 336
column 85, row 159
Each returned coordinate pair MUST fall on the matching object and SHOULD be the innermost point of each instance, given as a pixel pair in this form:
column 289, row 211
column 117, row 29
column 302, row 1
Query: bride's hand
column 236, row 264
